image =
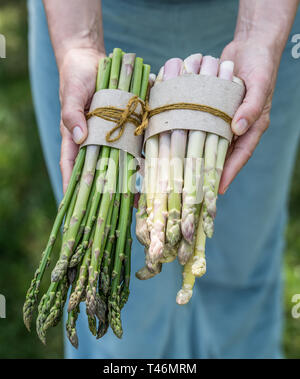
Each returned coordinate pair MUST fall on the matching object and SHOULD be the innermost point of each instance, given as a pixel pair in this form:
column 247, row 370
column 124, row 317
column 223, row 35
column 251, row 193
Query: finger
column 69, row 151
column 253, row 105
column 241, row 152
column 73, row 105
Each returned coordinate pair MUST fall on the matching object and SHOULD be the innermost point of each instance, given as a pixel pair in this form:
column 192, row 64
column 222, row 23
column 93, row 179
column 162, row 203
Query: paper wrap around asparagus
column 99, row 127
column 223, row 95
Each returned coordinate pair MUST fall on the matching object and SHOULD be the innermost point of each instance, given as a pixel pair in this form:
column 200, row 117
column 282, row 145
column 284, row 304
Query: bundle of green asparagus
column 183, row 169
column 94, row 260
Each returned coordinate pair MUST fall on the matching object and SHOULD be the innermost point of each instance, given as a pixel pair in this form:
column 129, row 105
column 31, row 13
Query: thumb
column 72, row 114
column 251, row 108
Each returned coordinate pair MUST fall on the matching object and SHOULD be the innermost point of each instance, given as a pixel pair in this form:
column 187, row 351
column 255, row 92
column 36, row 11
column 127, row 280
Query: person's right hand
column 77, row 73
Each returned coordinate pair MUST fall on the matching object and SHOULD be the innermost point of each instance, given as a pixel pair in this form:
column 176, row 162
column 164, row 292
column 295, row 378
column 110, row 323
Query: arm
column 75, row 28
column 74, row 24
column 261, row 33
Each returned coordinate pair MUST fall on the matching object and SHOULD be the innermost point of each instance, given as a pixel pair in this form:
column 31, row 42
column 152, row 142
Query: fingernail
column 241, row 126
column 77, row 135
column 225, row 190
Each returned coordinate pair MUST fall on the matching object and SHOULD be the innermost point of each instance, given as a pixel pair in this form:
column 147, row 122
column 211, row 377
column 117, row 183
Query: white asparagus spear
column 151, row 155
column 141, row 230
column 151, row 171
column 172, row 69
column 226, row 73
column 209, row 66
column 177, row 154
column 192, row 174
column 199, row 262
column 151, row 159
column 191, row 65
column 157, row 232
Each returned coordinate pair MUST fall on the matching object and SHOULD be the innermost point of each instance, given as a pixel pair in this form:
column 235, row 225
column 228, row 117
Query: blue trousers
column 236, row 310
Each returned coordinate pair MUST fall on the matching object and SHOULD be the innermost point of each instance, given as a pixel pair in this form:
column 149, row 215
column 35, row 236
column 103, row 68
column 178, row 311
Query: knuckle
column 267, row 121
column 255, row 110
column 262, row 77
column 263, row 123
column 246, row 152
column 67, row 117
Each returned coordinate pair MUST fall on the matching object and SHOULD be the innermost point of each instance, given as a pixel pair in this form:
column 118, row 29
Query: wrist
column 271, row 47
column 266, row 23
column 83, row 47
column 271, row 40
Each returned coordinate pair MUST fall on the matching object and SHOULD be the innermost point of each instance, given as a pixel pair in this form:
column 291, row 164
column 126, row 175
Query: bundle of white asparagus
column 183, row 169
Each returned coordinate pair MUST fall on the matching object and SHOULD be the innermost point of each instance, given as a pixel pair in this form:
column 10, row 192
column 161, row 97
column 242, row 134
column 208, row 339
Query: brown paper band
column 108, row 111
column 221, row 97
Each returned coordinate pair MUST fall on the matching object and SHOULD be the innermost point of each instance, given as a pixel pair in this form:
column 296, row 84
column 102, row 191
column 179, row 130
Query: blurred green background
column 27, row 205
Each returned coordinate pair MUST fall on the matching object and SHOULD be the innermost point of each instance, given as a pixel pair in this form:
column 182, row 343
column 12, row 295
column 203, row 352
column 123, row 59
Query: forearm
column 263, row 27
column 74, row 24
column 266, row 21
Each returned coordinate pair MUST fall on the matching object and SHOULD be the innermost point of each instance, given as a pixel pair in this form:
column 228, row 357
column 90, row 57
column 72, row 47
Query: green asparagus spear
column 108, row 261
column 114, row 303
column 127, row 262
column 71, row 326
column 79, row 211
column 70, row 210
column 33, row 291
column 79, row 288
column 92, row 215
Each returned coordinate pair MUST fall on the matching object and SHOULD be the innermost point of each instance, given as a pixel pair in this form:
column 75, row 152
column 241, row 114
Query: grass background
column 27, row 205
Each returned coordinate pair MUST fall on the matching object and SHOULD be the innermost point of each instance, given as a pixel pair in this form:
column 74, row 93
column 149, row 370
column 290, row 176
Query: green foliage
column 27, row 205
column 28, row 208
column 292, row 273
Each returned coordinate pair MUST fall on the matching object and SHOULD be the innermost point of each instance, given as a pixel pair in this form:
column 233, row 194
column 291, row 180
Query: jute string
column 121, row 116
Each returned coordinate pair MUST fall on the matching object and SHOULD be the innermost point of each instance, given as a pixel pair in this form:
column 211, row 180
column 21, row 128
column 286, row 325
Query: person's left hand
column 257, row 65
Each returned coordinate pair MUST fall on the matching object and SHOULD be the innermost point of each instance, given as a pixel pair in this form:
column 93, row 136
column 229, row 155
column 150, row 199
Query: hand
column 78, row 73
column 257, row 65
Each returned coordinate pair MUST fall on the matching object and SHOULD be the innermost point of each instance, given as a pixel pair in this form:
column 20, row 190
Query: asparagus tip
column 27, row 323
column 173, row 233
column 73, row 338
column 102, row 329
column 144, row 273
column 199, row 267
column 27, row 315
column 185, row 251
column 183, row 296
